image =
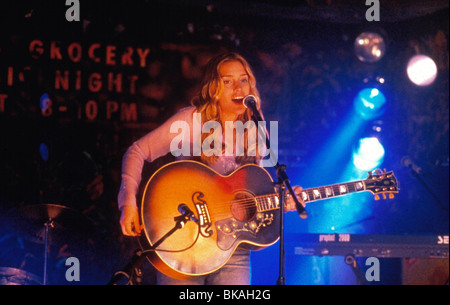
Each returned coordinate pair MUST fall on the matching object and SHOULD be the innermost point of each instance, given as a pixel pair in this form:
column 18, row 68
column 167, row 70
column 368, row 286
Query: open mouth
column 238, row 99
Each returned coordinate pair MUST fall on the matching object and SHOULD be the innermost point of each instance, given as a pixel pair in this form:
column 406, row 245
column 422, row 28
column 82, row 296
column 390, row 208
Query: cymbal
column 14, row 276
column 30, row 222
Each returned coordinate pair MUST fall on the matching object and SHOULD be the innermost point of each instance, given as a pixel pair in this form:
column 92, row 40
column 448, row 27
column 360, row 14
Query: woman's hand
column 129, row 221
column 290, row 203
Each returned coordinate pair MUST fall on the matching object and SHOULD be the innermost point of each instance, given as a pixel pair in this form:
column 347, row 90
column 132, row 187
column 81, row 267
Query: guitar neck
column 334, row 190
column 272, row 202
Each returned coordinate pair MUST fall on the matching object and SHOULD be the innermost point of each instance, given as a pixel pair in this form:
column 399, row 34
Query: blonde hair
column 206, row 101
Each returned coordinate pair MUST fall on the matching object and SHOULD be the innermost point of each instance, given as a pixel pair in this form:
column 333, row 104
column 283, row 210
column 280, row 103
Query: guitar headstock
column 381, row 182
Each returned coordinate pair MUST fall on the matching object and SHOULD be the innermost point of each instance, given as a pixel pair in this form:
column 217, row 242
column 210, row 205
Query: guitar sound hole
column 243, row 207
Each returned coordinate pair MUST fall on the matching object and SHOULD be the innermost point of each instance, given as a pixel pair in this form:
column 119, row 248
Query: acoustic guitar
column 226, row 211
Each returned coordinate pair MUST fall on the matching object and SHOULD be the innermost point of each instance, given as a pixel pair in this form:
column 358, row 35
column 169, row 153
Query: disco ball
column 369, row 47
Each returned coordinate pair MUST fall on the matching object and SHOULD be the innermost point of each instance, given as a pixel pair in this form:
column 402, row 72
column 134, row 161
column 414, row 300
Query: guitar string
column 265, row 206
column 224, row 208
column 245, row 201
column 335, row 189
column 251, row 201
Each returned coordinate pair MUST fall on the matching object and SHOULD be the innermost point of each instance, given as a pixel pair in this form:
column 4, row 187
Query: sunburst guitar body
column 242, row 208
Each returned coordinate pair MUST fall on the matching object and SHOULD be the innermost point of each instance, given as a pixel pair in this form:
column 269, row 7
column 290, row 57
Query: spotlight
column 421, row 70
column 43, row 151
column 369, row 103
column 369, row 47
column 44, row 102
column 369, row 154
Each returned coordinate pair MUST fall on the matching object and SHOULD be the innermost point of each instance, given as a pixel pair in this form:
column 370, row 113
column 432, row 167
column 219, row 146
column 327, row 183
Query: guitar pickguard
column 230, row 230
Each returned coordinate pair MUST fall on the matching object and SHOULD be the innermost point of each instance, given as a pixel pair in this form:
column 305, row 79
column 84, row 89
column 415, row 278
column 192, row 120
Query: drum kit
column 45, row 226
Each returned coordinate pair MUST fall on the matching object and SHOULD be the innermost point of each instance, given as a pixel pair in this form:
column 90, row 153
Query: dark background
column 307, row 72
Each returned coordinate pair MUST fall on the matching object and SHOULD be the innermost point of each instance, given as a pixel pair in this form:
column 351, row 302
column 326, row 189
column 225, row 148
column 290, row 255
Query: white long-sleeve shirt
column 158, row 142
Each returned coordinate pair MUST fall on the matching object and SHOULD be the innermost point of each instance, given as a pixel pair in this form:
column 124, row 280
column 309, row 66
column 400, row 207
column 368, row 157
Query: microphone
column 407, row 162
column 187, row 212
column 251, row 103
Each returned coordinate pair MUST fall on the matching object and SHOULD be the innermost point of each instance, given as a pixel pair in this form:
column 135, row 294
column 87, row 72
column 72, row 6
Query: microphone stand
column 425, row 185
column 283, row 182
column 132, row 270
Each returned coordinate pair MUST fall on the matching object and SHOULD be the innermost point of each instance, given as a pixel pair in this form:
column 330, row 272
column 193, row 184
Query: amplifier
column 361, row 245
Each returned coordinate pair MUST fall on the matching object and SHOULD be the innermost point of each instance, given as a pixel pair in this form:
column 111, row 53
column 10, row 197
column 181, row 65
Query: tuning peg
column 377, row 197
column 391, row 196
column 384, row 196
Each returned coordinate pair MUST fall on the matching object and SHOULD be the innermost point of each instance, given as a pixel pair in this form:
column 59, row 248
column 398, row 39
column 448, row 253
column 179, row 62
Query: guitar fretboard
column 271, row 202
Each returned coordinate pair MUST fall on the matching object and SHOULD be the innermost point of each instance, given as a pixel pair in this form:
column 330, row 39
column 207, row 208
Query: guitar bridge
column 203, row 214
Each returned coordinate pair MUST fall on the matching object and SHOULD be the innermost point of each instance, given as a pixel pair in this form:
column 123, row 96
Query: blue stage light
column 43, row 151
column 370, row 103
column 44, row 102
column 369, row 154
